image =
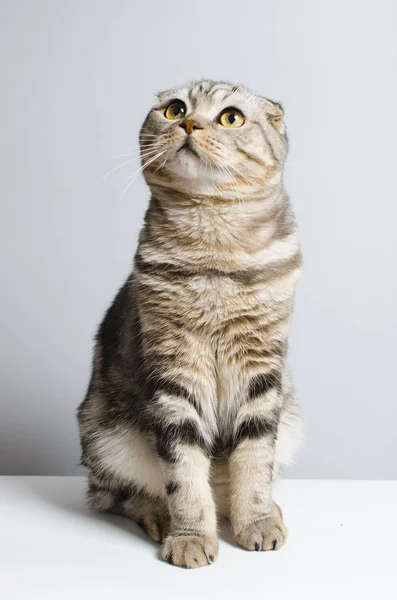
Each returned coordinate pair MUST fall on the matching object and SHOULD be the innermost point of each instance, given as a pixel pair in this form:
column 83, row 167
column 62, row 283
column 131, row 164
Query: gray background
column 77, row 78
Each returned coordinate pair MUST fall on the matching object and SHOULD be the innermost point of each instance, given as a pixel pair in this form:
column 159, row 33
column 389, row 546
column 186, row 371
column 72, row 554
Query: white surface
column 341, row 545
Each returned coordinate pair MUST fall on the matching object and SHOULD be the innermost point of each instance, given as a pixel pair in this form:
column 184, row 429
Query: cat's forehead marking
column 207, row 94
column 212, row 93
column 213, row 97
column 217, row 92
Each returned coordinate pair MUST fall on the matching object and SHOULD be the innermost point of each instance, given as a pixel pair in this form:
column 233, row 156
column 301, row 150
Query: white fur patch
column 130, row 456
column 289, row 438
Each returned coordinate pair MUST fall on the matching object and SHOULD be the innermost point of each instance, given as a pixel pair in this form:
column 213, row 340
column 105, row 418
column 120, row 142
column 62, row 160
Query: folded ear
column 275, row 114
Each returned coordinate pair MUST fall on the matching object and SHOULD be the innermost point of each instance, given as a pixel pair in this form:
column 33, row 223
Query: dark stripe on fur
column 254, row 427
column 217, row 86
column 271, row 148
column 158, row 385
column 250, row 156
column 263, row 383
column 167, row 386
column 245, row 277
column 172, row 487
column 169, row 435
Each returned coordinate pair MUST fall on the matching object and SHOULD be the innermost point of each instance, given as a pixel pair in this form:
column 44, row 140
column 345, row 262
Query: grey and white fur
column 190, row 413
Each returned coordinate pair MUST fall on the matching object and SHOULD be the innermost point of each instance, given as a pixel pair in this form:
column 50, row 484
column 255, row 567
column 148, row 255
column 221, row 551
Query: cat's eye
column 176, row 110
column 231, row 117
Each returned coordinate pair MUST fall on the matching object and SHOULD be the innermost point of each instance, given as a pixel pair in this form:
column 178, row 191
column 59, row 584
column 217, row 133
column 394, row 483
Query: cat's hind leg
column 148, row 511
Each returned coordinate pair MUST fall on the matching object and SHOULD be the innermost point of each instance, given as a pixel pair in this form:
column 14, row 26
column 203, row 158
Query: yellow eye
column 176, row 110
column 231, row 117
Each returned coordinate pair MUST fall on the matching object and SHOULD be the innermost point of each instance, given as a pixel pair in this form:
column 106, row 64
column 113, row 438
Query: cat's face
column 213, row 132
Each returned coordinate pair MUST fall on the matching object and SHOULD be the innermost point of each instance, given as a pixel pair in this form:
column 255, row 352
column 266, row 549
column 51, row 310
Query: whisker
column 135, row 151
column 140, row 155
column 162, row 164
column 115, row 169
column 151, row 159
column 148, row 153
column 134, row 175
column 144, row 146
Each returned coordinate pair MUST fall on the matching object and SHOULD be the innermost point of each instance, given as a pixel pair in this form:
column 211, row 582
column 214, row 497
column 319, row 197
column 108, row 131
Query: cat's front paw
column 267, row 534
column 190, row 551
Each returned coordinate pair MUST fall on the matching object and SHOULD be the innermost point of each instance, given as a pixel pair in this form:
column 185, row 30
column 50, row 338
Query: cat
column 190, row 413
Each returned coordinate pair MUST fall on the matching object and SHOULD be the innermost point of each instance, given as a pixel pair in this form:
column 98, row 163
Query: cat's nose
column 189, row 125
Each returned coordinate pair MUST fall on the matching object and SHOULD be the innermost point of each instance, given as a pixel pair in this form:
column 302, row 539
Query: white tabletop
column 342, row 545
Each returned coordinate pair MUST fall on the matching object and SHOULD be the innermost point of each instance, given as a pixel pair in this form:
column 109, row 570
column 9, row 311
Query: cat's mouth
column 187, row 147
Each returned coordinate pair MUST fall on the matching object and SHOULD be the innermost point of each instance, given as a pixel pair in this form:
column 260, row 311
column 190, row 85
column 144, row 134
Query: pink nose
column 189, row 125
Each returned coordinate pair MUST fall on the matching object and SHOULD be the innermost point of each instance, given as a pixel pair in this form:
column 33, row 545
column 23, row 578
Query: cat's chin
column 187, row 165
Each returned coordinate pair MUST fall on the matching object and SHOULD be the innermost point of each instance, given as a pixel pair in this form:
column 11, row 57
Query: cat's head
column 213, row 132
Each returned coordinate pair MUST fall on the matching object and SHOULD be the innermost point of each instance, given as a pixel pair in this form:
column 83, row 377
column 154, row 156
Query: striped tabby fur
column 190, row 412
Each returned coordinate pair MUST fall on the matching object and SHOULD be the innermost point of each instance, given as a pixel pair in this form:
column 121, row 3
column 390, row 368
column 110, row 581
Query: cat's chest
column 215, row 299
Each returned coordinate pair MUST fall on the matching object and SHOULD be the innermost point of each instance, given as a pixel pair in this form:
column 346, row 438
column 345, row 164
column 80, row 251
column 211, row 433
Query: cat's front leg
column 193, row 538
column 256, row 520
column 192, row 541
